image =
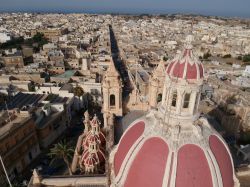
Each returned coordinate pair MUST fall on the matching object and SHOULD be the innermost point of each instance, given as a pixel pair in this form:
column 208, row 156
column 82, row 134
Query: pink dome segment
column 126, row 142
column 186, row 66
column 223, row 159
column 178, row 69
column 192, row 167
column 90, row 137
column 148, row 167
column 89, row 158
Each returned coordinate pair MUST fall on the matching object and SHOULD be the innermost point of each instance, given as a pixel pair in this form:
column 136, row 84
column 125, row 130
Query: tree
column 165, row 58
column 206, row 55
column 78, row 91
column 227, row 56
column 63, row 151
column 246, row 58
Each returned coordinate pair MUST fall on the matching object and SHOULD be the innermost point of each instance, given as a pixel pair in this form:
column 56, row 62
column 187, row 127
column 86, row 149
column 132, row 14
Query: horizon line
column 123, row 13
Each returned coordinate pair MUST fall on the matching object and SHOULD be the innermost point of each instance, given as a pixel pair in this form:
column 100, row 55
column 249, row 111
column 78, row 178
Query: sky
column 231, row 8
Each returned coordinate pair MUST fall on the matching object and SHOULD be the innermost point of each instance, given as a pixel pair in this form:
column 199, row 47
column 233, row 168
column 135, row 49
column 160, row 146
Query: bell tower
column 112, row 93
column 156, row 84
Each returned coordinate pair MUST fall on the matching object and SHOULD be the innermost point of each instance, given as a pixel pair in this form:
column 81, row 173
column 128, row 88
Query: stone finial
column 36, row 177
column 86, row 115
column 188, row 42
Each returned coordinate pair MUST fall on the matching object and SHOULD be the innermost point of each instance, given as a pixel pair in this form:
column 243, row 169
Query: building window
column 159, row 98
column 174, row 98
column 112, row 100
column 15, row 172
column 30, row 156
column 186, row 100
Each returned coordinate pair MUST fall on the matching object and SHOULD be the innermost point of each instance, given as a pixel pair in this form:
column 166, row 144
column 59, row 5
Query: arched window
column 112, row 100
column 174, row 98
column 159, row 98
column 186, row 100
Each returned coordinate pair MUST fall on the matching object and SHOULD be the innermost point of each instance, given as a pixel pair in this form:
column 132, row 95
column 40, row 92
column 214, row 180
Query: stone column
column 105, row 99
column 192, row 102
column 180, row 96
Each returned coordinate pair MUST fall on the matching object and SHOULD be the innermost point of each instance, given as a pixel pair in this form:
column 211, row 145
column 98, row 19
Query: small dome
column 90, row 137
column 95, row 134
column 186, row 65
column 92, row 155
column 89, row 157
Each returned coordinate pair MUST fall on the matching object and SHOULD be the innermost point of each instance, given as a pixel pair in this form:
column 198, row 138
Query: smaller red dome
column 98, row 138
column 93, row 157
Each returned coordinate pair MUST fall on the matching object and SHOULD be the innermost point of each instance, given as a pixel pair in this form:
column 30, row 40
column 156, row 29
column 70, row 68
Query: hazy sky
column 239, row 8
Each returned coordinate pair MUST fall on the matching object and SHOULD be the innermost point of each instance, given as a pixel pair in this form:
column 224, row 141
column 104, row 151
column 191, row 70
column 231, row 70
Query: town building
column 19, row 144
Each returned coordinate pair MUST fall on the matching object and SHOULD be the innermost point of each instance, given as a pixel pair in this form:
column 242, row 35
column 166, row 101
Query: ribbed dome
column 186, row 65
column 95, row 134
column 99, row 138
column 149, row 155
column 92, row 158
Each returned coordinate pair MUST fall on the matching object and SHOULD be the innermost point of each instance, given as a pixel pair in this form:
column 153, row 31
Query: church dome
column 149, row 154
column 172, row 146
column 186, row 65
column 89, row 158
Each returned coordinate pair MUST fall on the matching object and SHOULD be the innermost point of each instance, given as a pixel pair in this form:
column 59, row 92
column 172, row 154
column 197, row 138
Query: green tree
column 78, row 91
column 206, row 55
column 63, row 151
column 38, row 37
column 227, row 56
column 165, row 58
column 246, row 58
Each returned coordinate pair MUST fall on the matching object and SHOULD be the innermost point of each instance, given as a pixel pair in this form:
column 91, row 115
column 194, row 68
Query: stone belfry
column 156, row 84
column 112, row 93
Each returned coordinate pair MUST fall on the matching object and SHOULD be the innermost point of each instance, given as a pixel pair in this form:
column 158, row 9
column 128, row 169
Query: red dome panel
column 192, row 168
column 178, row 69
column 191, row 71
column 223, row 159
column 170, row 67
column 201, row 71
column 148, row 167
column 128, row 139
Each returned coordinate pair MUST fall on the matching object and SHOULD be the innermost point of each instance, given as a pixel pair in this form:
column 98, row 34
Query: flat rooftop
column 8, row 126
column 66, row 74
column 22, row 100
